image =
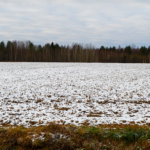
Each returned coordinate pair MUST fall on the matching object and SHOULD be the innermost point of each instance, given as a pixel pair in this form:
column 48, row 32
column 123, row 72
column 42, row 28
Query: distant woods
column 50, row 52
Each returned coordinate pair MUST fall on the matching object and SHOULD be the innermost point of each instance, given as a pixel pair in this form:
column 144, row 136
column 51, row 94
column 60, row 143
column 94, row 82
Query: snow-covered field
column 74, row 93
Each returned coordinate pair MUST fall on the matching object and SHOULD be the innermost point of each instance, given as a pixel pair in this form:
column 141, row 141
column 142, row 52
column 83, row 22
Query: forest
column 27, row 51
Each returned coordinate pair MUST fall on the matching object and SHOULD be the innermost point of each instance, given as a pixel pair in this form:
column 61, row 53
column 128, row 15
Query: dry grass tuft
column 71, row 137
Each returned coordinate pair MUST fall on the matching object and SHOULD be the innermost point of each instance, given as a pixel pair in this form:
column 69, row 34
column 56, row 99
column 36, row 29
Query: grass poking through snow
column 70, row 137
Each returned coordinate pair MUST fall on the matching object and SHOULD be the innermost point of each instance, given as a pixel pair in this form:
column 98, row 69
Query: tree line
column 26, row 51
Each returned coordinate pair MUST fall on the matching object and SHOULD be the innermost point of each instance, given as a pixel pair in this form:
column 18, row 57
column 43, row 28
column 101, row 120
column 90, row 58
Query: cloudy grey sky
column 99, row 22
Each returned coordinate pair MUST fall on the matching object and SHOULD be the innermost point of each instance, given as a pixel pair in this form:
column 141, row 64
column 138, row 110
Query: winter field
column 74, row 93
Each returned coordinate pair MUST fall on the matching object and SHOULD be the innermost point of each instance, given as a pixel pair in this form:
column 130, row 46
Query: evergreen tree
column 143, row 50
column 128, row 50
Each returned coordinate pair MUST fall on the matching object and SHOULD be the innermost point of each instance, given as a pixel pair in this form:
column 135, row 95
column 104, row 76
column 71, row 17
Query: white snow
column 74, row 93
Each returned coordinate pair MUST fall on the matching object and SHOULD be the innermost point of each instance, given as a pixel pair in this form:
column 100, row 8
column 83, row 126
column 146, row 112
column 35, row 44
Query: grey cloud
column 103, row 22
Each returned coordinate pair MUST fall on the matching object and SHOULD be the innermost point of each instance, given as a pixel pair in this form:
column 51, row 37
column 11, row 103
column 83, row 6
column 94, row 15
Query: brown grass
column 71, row 137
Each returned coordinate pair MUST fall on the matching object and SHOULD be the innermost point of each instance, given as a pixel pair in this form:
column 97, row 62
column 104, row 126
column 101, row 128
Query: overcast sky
column 99, row 22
